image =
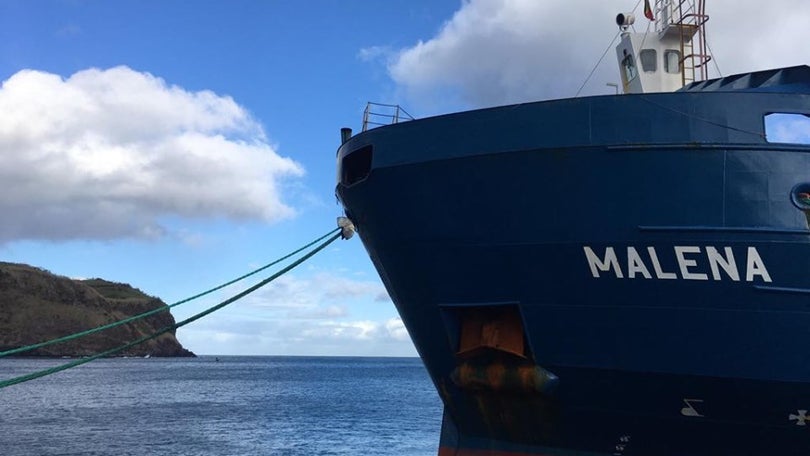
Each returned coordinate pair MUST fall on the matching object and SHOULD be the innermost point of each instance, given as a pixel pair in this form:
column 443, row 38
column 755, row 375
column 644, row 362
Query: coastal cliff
column 36, row 306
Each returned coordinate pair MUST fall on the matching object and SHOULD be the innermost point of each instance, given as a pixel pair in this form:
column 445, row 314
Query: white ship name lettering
column 692, row 262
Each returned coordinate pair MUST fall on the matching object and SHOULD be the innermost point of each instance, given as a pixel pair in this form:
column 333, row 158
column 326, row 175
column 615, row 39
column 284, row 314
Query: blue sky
column 175, row 145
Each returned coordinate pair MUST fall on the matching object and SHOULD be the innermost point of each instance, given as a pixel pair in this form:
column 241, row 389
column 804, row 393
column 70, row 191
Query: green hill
column 36, row 305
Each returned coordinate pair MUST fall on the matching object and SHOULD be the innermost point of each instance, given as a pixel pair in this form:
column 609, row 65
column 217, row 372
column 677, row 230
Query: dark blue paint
column 495, row 206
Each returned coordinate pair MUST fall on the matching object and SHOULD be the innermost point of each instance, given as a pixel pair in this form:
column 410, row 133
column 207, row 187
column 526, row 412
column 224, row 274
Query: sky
column 176, row 145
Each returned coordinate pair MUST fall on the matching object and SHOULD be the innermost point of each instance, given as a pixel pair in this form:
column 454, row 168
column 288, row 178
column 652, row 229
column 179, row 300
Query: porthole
column 800, row 195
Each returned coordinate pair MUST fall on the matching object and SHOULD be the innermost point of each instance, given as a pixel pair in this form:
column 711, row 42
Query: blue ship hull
column 622, row 275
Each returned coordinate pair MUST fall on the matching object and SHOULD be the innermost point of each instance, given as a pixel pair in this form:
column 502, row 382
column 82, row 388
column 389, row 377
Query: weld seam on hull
column 693, row 146
column 782, row 289
column 726, row 229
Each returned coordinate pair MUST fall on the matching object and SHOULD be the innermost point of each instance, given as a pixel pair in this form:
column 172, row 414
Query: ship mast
column 671, row 57
column 687, row 19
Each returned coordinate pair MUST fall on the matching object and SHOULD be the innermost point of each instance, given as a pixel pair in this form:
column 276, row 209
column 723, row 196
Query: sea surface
column 221, row 406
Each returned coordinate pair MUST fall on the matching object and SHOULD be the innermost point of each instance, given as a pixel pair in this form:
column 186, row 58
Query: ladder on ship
column 693, row 61
column 687, row 18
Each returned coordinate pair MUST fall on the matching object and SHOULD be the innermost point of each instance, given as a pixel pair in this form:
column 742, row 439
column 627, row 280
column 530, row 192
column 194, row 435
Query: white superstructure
column 669, row 55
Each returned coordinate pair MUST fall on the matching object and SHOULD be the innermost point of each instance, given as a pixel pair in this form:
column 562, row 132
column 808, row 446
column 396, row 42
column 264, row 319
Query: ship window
column 630, row 71
column 356, row 166
column 672, row 61
column 787, row 128
column 648, row 60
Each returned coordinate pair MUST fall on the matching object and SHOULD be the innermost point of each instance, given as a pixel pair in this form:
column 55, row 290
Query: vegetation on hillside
column 36, row 305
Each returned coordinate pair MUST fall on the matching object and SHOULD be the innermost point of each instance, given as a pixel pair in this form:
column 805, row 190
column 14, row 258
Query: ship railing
column 379, row 114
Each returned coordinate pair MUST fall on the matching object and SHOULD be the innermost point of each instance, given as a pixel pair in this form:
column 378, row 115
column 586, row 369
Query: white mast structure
column 671, row 55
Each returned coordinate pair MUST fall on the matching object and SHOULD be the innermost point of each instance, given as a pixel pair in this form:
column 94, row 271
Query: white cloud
column 750, row 36
column 363, row 330
column 237, row 335
column 495, row 52
column 351, row 330
column 500, row 51
column 107, row 153
column 395, row 329
column 304, row 316
column 321, row 295
column 372, row 53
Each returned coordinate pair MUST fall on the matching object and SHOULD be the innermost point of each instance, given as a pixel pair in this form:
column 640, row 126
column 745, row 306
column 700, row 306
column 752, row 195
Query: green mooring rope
column 77, row 335
column 164, row 330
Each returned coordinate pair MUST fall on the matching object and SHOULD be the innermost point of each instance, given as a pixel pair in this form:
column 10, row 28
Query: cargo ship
column 613, row 275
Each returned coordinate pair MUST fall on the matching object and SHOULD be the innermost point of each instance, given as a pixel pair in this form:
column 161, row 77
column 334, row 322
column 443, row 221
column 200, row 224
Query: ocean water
column 234, row 406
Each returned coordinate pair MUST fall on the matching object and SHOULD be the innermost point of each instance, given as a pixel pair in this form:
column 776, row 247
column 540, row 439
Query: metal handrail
column 385, row 114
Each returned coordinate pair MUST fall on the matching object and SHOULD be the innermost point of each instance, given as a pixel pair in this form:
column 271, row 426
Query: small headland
column 37, row 306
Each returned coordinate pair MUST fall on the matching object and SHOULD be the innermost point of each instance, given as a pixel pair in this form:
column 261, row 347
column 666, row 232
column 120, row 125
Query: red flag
column 648, row 13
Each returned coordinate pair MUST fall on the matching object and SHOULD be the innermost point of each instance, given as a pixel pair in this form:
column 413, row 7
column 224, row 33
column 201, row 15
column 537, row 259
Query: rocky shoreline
column 36, row 306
